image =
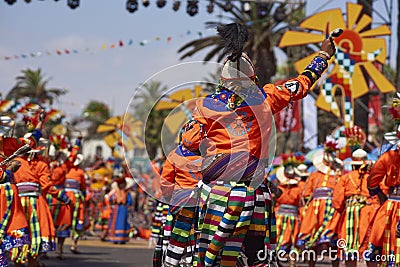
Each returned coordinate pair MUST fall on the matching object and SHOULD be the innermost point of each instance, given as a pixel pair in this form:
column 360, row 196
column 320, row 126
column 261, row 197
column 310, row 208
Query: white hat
column 241, row 69
column 129, row 183
column 238, row 73
column 6, row 123
column 358, row 157
column 78, row 160
column 321, row 159
column 393, row 137
column 301, row 170
column 283, row 179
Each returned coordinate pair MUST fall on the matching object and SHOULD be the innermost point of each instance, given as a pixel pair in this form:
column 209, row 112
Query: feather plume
column 233, row 37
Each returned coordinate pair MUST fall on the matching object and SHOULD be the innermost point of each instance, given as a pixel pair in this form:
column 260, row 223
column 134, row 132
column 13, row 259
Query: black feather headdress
column 233, row 38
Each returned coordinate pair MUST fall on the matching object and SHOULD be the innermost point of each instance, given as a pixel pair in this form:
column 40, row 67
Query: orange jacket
column 388, row 165
column 181, row 169
column 247, row 127
column 291, row 195
column 35, row 171
column 317, row 180
column 77, row 174
column 348, row 185
column 58, row 174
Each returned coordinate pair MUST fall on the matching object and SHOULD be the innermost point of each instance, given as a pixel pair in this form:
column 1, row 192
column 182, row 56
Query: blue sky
column 109, row 75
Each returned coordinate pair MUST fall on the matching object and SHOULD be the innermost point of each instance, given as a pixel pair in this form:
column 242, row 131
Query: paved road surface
column 104, row 254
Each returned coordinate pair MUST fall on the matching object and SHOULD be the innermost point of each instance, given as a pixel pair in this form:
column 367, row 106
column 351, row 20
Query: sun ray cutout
column 358, row 51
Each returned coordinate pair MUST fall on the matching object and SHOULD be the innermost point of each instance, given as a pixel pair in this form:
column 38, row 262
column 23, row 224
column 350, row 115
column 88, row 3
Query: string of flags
column 22, row 107
column 119, row 43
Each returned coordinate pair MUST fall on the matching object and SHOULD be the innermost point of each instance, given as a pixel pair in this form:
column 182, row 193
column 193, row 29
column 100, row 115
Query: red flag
column 121, row 43
column 288, row 119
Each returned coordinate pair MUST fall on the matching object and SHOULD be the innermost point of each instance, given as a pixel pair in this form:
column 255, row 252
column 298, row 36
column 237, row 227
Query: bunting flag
column 23, row 108
column 288, row 119
column 120, row 43
column 310, row 122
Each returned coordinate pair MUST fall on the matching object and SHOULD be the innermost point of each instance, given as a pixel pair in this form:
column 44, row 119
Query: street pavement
column 96, row 253
column 135, row 253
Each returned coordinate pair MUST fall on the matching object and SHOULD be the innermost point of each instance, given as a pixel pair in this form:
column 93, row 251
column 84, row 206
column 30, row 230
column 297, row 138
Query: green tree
column 266, row 23
column 94, row 113
column 33, row 85
column 152, row 118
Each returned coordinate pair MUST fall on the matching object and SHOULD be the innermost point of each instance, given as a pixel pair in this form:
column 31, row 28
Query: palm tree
column 147, row 99
column 266, row 23
column 93, row 114
column 33, row 85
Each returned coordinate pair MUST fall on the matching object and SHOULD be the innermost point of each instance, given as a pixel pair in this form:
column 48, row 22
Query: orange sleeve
column 194, row 136
column 43, row 172
column 168, row 177
column 378, row 172
column 282, row 197
column 83, row 181
column 338, row 194
column 308, row 188
column 279, row 96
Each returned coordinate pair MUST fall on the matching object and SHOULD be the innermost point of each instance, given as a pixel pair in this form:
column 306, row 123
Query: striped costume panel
column 391, row 244
column 322, row 235
column 182, row 236
column 30, row 209
column 234, row 242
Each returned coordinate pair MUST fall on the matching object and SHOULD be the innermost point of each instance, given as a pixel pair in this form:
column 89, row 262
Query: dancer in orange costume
column 288, row 204
column 181, row 173
column 60, row 208
column 302, row 173
column 14, row 226
column 351, row 198
column 319, row 224
column 75, row 186
column 385, row 233
column 237, row 118
column 34, row 182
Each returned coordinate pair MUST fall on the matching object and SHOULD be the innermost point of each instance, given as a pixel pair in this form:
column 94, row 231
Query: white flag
column 310, row 122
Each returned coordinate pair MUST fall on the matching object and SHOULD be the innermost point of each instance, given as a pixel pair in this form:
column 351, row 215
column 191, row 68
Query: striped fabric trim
column 393, row 213
column 75, row 214
column 352, row 228
column 283, row 221
column 182, row 236
column 224, row 167
column 226, row 226
column 328, row 214
column 9, row 192
column 234, row 243
column 30, row 203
